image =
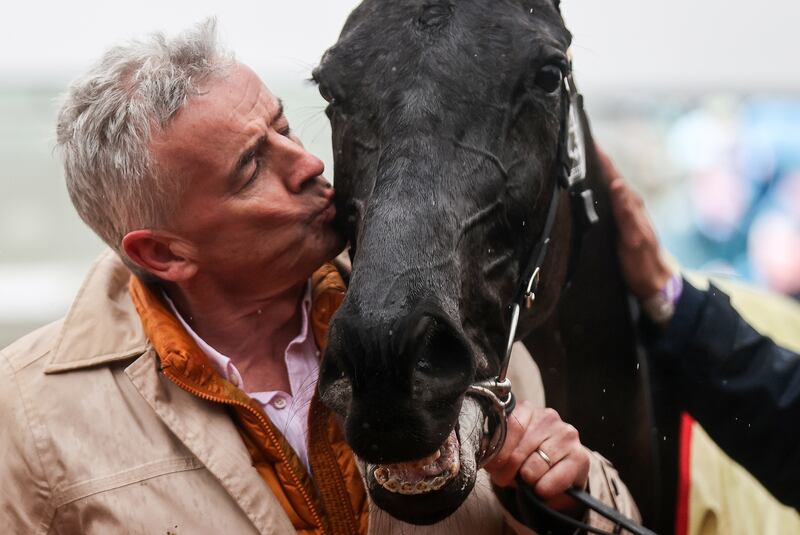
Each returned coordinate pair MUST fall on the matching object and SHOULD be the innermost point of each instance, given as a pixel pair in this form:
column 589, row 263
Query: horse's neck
column 592, row 325
column 587, row 353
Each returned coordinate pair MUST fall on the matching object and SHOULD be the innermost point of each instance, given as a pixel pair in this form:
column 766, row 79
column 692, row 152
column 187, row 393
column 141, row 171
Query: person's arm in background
column 739, row 385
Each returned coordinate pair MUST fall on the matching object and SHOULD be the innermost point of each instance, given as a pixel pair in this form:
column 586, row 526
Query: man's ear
column 162, row 255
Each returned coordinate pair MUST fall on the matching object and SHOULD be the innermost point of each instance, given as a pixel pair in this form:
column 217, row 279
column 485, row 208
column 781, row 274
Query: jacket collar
column 102, row 325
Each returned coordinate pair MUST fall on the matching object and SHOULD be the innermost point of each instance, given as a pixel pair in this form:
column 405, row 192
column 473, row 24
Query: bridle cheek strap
column 571, row 163
column 497, row 391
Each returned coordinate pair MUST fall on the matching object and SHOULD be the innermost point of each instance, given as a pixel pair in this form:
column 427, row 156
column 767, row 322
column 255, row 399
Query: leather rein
column 497, row 391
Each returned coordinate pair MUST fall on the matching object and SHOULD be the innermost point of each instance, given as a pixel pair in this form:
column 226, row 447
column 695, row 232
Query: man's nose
column 301, row 167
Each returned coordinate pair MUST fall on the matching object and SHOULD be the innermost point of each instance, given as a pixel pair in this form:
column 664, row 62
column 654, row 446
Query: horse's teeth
column 381, row 475
column 422, row 487
column 438, row 482
column 384, row 477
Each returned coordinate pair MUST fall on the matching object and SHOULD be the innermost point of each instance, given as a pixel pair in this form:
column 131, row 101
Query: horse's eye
column 549, row 78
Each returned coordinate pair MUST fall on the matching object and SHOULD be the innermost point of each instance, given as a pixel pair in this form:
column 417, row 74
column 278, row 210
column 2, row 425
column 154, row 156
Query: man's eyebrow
column 279, row 114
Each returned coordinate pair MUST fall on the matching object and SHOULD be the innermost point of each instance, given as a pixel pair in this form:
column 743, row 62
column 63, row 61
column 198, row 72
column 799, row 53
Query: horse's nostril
column 441, row 365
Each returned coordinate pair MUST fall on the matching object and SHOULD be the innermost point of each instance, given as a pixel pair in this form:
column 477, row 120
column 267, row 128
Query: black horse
column 448, row 128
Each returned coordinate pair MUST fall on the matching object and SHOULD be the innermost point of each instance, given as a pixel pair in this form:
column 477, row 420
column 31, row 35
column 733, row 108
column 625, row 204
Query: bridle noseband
column 497, row 391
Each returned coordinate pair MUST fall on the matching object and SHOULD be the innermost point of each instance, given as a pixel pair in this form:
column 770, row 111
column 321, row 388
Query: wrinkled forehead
column 400, row 42
column 214, row 126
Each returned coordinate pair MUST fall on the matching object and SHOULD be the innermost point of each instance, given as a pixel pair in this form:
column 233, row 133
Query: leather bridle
column 571, row 178
column 497, row 391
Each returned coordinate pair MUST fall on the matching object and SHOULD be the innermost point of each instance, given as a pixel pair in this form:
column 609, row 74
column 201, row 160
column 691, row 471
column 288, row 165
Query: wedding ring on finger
column 545, row 457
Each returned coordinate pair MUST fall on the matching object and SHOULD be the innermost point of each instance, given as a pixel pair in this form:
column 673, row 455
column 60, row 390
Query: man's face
column 255, row 209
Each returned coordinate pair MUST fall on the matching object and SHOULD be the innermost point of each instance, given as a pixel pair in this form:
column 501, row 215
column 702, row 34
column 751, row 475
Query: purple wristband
column 661, row 306
column 673, row 289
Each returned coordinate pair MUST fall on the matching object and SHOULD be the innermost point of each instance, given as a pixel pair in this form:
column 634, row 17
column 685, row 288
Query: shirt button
column 279, row 403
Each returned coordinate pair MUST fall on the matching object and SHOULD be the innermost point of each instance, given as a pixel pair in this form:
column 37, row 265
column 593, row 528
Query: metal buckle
column 498, row 393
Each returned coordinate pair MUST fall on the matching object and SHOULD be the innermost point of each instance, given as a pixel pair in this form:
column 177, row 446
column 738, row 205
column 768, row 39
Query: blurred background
column 698, row 102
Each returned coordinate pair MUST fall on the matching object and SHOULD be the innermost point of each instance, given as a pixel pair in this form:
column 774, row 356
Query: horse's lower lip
column 426, row 508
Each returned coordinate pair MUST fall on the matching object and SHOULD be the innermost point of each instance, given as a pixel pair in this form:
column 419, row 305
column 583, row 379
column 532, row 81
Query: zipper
column 265, row 425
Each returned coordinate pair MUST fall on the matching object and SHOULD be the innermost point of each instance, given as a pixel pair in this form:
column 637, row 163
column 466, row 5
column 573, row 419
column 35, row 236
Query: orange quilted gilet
column 335, row 501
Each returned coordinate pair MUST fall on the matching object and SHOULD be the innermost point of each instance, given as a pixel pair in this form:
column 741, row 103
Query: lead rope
column 587, row 500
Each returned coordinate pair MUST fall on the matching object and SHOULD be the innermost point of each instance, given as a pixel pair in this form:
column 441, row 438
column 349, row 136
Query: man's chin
column 335, row 245
column 329, row 245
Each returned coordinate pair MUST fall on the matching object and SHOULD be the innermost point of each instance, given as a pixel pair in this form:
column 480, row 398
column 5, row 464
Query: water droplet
column 637, row 365
column 604, row 391
column 259, row 311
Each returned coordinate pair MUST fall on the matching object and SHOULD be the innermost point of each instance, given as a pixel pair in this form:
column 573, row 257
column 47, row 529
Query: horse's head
column 446, row 119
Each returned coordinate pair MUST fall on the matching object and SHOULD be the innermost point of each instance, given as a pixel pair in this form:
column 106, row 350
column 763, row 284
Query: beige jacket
column 95, row 440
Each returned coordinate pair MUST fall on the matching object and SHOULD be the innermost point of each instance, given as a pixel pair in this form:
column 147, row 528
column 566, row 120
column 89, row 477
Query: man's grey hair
column 107, row 120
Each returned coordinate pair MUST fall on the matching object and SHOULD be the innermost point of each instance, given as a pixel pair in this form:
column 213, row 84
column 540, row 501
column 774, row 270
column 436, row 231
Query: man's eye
column 257, row 163
column 285, row 132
